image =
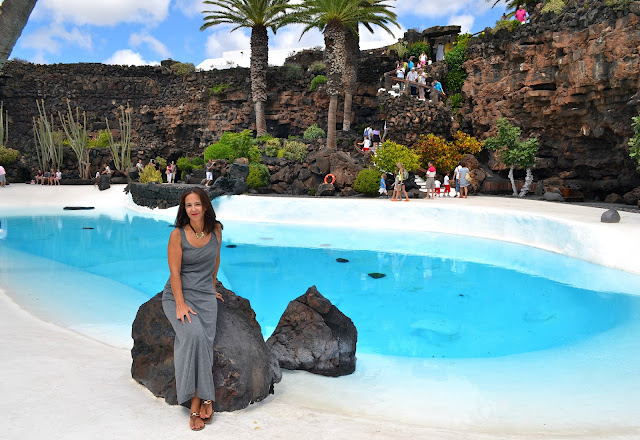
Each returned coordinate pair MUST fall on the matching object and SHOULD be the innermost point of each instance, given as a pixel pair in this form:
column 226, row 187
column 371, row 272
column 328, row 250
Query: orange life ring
column 333, row 179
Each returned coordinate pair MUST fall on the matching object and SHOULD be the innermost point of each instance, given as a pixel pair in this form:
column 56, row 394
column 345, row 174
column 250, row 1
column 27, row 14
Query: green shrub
column 150, row 174
column 183, row 68
column 258, row 175
column 271, row 147
column 8, row 155
column 280, row 153
column 454, row 59
column 619, row 5
column 294, row 150
column 217, row 89
column 197, row 161
column 367, row 182
column 387, row 156
column 316, row 81
column 314, row 132
column 162, row 162
column 264, row 138
column 456, row 101
column 234, row 145
column 400, row 48
column 291, row 71
column 101, row 141
column 553, row 6
column 509, row 25
column 417, row 48
column 634, row 142
column 318, row 68
column 184, row 164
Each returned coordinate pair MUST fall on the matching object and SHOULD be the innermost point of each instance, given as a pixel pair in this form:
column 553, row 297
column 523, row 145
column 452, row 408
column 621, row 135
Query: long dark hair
column 182, row 219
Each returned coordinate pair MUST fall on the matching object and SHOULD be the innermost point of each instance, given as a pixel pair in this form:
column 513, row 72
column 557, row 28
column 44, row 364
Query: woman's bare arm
column 217, row 230
column 174, row 255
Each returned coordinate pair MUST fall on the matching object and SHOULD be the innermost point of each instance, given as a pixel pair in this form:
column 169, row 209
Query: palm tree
column 259, row 15
column 14, row 15
column 373, row 12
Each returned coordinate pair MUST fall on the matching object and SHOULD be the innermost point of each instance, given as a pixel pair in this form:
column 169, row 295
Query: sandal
column 192, row 418
column 210, row 418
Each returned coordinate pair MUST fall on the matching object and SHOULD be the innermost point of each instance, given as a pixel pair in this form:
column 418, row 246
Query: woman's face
column 193, row 206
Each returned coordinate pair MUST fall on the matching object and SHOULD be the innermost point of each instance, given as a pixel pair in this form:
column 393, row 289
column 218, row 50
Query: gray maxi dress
column 193, row 347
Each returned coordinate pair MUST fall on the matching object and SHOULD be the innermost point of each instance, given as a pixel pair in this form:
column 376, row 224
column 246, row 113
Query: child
column 383, row 186
column 437, row 185
column 447, row 186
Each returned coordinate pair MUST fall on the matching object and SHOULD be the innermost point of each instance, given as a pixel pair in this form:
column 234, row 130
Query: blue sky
column 136, row 32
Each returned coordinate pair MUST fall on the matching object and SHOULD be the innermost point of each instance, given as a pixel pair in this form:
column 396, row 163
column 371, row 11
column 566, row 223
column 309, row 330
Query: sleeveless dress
column 193, row 347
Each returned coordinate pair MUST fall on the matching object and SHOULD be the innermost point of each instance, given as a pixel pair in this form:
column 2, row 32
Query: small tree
column 387, row 156
column 514, row 152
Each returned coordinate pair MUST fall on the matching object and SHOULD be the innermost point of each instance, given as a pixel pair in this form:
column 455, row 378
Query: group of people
column 50, row 177
column 521, row 15
column 171, row 170
column 434, row 186
column 370, row 140
column 417, row 78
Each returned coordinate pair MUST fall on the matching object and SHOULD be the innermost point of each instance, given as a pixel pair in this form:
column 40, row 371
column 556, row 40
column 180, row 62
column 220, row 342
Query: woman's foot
column 195, row 422
column 206, row 411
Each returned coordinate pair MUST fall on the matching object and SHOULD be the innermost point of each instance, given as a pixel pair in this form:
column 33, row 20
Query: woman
column 169, row 172
column 464, row 183
column 190, row 301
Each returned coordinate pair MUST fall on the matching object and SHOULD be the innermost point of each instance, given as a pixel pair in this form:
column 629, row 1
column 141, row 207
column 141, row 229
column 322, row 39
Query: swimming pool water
column 433, row 301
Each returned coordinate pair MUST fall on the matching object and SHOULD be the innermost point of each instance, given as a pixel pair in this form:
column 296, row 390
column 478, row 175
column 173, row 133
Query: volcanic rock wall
column 572, row 81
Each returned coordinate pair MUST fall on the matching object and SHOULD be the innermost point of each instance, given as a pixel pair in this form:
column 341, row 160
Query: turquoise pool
column 445, row 296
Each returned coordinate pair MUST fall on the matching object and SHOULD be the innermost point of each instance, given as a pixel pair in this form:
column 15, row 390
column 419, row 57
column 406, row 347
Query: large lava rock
column 315, row 336
column 244, row 369
column 104, row 182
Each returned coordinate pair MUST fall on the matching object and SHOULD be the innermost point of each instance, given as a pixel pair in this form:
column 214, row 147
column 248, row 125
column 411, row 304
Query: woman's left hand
column 219, row 296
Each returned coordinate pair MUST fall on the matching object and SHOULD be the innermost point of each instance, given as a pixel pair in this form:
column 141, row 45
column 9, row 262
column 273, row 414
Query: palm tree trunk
column 350, row 75
column 259, row 64
column 334, row 55
column 14, row 15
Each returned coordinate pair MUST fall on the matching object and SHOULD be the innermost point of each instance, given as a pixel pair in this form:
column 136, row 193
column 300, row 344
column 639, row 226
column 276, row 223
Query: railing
column 389, row 79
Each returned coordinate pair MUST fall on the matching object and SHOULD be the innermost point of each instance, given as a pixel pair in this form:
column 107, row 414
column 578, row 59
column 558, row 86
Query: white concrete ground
column 62, row 385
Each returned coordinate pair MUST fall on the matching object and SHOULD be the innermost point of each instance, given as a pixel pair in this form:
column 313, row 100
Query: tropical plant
column 400, row 49
column 4, row 126
column 100, row 141
column 76, row 133
column 455, row 99
column 367, row 182
column 271, row 147
column 317, row 68
column 258, row 15
column 14, row 15
column 387, row 156
column 8, row 155
column 258, row 175
column 514, row 152
column 218, row 89
column 313, row 132
column 454, row 59
column 184, row 164
column 234, row 145
column 510, row 25
column 634, row 141
column 48, row 141
column 150, row 174
column 316, row 81
column 553, row 6
column 121, row 151
column 370, row 13
column 162, row 163
column 294, row 150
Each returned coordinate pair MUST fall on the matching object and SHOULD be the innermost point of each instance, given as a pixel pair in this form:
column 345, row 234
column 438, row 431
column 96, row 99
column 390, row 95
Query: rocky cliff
column 572, row 81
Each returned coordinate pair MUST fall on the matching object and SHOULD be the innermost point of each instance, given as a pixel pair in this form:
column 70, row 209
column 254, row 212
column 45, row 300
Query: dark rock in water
column 78, row 208
column 315, row 336
column 244, row 369
column 238, row 171
column 231, row 246
column 342, row 260
column 553, row 197
column 377, row 275
column 610, row 216
column 104, row 182
column 88, row 228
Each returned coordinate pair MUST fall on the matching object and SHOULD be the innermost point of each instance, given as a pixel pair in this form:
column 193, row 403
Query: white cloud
column 409, row 9
column 380, row 37
column 102, row 12
column 289, row 38
column 191, row 8
column 127, row 57
column 223, row 40
column 464, row 21
column 137, row 39
column 52, row 38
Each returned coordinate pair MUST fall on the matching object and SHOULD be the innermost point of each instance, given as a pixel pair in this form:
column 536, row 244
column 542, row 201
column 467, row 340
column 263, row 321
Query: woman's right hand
column 183, row 310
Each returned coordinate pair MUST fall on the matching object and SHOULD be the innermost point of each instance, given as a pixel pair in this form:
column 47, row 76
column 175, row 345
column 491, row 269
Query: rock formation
column 244, row 369
column 315, row 336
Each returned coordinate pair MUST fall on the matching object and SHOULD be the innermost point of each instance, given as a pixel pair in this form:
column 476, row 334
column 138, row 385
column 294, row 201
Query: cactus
column 47, row 141
column 121, row 151
column 4, row 126
column 77, row 137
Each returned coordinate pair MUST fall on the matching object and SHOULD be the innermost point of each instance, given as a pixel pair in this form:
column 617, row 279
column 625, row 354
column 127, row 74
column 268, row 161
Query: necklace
column 199, row 235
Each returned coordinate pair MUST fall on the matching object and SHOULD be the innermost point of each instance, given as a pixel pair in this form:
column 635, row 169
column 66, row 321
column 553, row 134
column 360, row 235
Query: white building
column 242, row 58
